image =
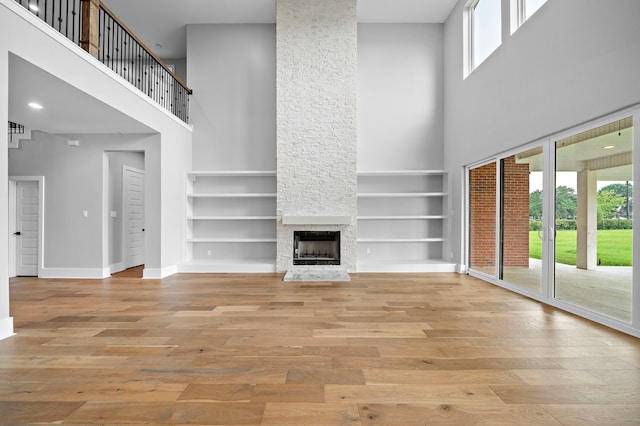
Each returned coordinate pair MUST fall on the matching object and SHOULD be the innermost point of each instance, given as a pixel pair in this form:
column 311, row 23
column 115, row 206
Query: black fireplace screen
column 316, row 247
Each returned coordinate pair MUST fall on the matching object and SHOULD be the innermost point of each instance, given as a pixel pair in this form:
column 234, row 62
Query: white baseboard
column 461, row 268
column 159, row 273
column 6, row 328
column 86, row 273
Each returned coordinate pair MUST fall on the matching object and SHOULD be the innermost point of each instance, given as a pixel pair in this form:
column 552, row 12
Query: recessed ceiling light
column 35, row 105
column 33, row 7
column 608, row 147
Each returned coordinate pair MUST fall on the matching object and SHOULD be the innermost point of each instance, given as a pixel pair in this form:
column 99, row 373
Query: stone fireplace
column 316, row 93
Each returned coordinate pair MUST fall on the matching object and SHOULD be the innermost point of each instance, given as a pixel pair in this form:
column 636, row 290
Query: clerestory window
column 484, row 30
column 522, row 10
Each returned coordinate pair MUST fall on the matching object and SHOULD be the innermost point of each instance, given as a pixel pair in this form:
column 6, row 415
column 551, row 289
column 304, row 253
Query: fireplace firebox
column 316, row 247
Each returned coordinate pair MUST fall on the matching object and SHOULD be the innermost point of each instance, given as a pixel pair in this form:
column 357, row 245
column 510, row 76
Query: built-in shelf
column 402, row 221
column 233, row 195
column 231, row 218
column 401, row 194
column 402, row 173
column 231, row 173
column 402, row 225
column 401, row 217
column 400, row 240
column 231, row 221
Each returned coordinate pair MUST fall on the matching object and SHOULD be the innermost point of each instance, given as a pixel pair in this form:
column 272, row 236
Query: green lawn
column 614, row 247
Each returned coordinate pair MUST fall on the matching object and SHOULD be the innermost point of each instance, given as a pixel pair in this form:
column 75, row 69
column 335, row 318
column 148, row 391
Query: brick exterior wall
column 515, row 215
column 482, row 193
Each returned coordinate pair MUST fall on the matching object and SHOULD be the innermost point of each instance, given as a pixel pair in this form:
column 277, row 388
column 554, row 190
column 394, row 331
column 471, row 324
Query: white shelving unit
column 231, row 221
column 402, row 221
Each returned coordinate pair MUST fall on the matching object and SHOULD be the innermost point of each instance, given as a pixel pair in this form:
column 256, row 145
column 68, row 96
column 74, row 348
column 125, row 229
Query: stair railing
column 91, row 25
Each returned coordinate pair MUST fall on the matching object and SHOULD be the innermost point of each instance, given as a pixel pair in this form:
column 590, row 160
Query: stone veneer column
column 316, row 59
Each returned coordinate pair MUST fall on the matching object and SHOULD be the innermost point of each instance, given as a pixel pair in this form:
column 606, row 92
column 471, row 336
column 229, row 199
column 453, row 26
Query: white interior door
column 26, row 232
column 133, row 218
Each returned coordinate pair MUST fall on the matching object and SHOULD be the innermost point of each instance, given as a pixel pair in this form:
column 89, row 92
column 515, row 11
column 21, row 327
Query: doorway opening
column 126, row 206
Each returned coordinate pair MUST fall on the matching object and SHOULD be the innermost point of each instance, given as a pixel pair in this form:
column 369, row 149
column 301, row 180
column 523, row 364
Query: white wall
column 573, row 61
column 400, row 96
column 74, row 182
column 165, row 166
column 231, row 69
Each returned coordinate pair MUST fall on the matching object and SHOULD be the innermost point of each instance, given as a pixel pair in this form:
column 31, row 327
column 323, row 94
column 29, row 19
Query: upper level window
column 521, row 10
column 531, row 6
column 486, row 29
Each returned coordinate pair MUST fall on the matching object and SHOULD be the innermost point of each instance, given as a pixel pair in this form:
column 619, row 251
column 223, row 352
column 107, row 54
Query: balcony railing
column 96, row 29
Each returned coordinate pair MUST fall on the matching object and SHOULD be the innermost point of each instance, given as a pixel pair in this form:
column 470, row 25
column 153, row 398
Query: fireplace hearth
column 316, row 247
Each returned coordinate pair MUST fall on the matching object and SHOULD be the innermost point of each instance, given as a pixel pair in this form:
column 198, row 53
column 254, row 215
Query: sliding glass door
column 554, row 220
column 593, row 219
column 506, row 219
column 482, row 218
column 521, row 215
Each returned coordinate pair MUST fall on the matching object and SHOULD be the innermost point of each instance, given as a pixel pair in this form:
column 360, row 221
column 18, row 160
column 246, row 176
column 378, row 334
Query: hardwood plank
column 326, row 375
column 219, row 392
column 454, row 414
column 412, row 394
column 555, row 377
column 283, row 414
column 485, row 377
column 169, row 413
column 22, row 412
column 595, row 414
column 546, row 394
column 288, row 393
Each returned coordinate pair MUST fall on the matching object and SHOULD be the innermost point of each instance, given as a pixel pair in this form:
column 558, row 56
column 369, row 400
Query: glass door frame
column 467, row 217
column 547, row 243
column 546, row 294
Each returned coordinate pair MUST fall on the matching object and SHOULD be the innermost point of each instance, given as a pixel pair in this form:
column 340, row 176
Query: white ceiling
column 571, row 158
column 163, row 22
column 66, row 109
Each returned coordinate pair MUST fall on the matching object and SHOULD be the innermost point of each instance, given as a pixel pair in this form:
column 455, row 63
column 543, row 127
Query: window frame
column 468, row 40
column 518, row 13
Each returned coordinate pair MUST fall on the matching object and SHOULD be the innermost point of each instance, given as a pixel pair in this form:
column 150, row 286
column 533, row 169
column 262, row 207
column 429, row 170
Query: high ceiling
column 161, row 24
column 66, row 109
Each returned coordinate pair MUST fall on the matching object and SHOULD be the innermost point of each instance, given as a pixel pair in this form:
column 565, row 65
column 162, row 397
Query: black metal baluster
column 100, row 34
column 139, row 68
column 73, row 23
column 119, row 50
column 66, row 21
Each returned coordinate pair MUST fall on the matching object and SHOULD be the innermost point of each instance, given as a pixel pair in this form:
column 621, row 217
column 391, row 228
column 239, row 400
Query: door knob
column 17, row 233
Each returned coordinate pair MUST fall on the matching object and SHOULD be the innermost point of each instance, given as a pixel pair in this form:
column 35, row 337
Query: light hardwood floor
column 392, row 349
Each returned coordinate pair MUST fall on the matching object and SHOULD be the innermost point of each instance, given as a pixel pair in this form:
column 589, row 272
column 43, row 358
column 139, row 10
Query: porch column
column 587, row 240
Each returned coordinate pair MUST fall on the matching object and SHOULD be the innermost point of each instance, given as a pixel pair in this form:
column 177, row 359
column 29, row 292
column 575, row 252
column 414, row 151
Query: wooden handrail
column 158, row 60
